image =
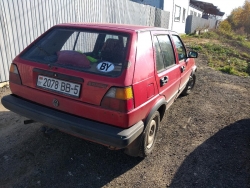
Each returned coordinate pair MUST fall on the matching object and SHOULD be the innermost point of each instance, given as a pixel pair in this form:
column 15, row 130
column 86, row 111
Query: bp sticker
column 105, row 66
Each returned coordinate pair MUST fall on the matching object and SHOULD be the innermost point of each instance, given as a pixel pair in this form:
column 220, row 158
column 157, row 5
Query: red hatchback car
column 106, row 83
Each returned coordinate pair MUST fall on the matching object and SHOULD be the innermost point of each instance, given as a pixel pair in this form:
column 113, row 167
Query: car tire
column 190, row 85
column 149, row 135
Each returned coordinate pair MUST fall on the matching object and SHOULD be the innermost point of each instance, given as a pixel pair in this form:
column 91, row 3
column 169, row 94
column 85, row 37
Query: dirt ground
column 204, row 141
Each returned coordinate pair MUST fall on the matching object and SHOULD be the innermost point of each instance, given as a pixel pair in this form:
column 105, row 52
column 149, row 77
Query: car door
column 184, row 66
column 167, row 71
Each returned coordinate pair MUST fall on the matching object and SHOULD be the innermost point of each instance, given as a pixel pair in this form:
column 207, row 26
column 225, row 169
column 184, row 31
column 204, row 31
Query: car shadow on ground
column 221, row 161
column 28, row 159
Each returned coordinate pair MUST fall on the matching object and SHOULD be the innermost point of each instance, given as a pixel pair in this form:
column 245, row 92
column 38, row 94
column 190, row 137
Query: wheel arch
column 134, row 149
column 159, row 106
column 194, row 69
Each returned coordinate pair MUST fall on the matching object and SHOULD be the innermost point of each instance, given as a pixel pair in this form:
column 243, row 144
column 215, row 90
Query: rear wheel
column 149, row 135
column 190, row 85
column 144, row 144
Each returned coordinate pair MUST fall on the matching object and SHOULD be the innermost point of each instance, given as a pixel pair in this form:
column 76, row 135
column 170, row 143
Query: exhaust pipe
column 28, row 121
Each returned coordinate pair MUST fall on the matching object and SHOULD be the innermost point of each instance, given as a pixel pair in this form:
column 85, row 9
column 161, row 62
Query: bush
column 210, row 35
column 225, row 26
column 240, row 31
column 240, row 38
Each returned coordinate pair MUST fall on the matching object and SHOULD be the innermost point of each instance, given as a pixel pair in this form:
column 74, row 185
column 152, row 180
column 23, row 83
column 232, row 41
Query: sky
column 226, row 5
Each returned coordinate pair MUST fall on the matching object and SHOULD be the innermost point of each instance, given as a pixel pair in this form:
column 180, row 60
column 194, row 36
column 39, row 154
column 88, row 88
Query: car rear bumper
column 105, row 134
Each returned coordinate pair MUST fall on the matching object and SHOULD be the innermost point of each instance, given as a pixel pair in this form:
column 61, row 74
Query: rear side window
column 159, row 57
column 164, row 52
column 96, row 52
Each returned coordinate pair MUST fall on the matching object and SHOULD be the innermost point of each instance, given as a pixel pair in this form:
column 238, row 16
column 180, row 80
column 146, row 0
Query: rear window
column 96, row 52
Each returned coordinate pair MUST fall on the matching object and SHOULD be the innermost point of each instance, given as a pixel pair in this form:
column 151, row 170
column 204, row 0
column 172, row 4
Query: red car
column 106, row 83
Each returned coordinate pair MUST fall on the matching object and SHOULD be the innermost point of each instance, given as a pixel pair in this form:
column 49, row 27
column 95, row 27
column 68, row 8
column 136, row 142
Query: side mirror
column 192, row 54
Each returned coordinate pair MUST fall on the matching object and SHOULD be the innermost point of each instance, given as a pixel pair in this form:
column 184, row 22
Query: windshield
column 88, row 51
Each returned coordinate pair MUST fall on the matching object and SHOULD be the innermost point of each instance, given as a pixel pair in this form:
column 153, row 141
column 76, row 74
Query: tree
column 234, row 18
column 240, row 17
column 245, row 17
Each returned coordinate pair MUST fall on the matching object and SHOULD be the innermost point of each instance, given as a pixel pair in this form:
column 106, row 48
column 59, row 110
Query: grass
column 228, row 69
column 225, row 51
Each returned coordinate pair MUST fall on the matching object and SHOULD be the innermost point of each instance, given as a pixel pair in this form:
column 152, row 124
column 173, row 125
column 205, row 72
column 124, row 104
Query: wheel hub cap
column 151, row 134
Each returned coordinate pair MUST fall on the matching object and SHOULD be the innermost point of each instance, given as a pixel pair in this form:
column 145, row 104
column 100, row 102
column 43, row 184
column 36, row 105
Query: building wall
column 178, row 14
column 195, row 24
column 179, row 10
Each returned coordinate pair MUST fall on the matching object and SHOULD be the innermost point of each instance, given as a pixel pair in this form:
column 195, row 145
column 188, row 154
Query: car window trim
column 76, row 40
column 175, row 35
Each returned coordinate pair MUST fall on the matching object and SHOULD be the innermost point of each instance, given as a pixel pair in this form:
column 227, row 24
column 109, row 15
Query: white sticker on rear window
column 105, row 66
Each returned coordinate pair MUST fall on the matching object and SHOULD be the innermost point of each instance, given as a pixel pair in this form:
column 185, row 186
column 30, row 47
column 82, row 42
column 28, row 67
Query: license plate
column 57, row 85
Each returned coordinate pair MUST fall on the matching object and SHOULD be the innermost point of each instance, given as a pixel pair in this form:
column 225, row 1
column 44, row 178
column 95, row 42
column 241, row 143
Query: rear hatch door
column 76, row 64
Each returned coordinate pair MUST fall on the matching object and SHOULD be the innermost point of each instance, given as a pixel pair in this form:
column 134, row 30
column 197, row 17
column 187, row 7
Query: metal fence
column 194, row 23
column 162, row 18
column 23, row 21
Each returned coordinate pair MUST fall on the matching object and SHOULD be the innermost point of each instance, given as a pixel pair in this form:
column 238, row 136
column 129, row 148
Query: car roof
column 112, row 26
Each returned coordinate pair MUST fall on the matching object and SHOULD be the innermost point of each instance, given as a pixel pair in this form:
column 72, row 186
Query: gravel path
column 204, row 141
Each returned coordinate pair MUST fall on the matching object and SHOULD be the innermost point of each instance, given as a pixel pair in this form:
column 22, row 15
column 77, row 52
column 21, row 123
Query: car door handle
column 164, row 80
column 183, row 68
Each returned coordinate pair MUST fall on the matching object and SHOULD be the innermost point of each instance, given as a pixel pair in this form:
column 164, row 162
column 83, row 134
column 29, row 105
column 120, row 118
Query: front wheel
column 190, row 85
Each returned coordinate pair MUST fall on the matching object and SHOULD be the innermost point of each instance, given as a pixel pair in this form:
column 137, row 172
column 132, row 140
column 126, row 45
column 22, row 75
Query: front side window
column 180, row 47
column 164, row 52
column 96, row 52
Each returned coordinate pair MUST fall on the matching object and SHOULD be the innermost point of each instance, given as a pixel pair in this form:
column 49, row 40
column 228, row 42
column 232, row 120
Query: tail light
column 119, row 99
column 14, row 74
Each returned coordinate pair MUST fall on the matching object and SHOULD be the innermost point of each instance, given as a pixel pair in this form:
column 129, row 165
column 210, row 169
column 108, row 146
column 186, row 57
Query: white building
column 178, row 13
column 196, row 11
